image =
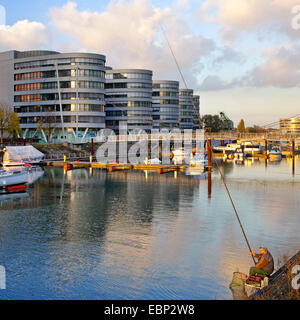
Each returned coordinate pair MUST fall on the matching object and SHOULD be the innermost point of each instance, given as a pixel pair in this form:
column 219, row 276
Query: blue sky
column 240, row 56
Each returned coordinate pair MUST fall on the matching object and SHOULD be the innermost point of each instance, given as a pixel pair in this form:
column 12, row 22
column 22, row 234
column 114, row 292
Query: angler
column 265, row 264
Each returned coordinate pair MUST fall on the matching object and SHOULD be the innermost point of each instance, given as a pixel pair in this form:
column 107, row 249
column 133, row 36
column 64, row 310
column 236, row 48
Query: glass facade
column 165, row 98
column 44, row 83
column 186, row 109
column 129, row 98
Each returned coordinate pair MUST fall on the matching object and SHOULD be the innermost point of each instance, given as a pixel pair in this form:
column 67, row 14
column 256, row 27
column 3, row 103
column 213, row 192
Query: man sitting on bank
column 265, row 264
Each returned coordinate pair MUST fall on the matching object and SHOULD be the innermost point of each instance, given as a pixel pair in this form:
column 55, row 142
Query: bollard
column 266, row 146
column 293, row 156
column 91, row 158
column 92, row 146
column 209, row 153
column 209, row 185
column 159, row 171
column 65, row 158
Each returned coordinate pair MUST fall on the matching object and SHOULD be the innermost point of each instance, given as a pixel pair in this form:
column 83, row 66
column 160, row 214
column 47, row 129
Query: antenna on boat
column 202, row 124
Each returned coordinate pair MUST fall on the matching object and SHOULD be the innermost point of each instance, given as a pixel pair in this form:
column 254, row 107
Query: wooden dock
column 111, row 167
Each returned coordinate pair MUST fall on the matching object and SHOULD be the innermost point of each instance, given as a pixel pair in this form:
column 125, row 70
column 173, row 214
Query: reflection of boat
column 21, row 155
column 12, row 178
column 239, row 154
column 7, row 196
column 197, row 172
column 275, row 154
column 34, row 174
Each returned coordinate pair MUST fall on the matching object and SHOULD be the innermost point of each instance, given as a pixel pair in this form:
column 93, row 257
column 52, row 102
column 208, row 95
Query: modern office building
column 165, row 102
column 58, row 96
column 290, row 125
column 186, row 109
column 196, row 123
column 128, row 95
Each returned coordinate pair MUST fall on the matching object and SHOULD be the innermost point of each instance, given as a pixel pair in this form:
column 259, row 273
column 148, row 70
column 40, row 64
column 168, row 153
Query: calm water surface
column 96, row 235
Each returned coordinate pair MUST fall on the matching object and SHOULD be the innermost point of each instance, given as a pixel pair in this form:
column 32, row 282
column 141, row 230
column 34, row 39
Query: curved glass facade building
column 165, row 102
column 290, row 125
column 128, row 98
column 186, row 109
column 58, row 96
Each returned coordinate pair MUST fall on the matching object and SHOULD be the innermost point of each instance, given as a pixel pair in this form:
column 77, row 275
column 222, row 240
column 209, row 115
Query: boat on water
column 229, row 148
column 198, row 165
column 180, row 156
column 275, row 154
column 199, row 160
column 251, row 147
column 247, row 147
column 13, row 181
column 21, row 156
column 152, row 161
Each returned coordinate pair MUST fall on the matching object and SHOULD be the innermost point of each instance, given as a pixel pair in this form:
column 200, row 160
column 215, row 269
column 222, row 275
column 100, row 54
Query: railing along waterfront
column 194, row 136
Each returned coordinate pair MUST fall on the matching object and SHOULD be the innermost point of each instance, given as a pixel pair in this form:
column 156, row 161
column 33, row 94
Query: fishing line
column 202, row 124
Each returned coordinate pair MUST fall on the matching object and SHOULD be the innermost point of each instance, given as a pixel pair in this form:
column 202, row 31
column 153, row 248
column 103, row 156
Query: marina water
column 86, row 234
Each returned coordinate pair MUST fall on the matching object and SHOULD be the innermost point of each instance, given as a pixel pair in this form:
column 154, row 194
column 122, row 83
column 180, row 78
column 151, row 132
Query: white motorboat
column 152, row 161
column 231, row 147
column 198, row 165
column 251, row 147
column 199, row 160
column 275, row 154
column 13, row 178
column 180, row 156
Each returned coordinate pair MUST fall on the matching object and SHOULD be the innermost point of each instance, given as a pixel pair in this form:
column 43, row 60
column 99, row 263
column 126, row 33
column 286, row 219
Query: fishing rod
column 209, row 146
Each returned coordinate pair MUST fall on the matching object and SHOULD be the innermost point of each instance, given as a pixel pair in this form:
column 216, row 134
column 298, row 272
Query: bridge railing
column 214, row 136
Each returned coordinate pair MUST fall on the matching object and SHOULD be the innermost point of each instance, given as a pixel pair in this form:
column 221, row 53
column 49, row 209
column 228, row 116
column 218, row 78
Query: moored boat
column 199, row 160
column 21, row 155
column 180, row 156
column 13, row 181
column 275, row 154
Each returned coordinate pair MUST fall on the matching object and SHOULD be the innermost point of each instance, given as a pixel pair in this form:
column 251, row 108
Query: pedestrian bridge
column 196, row 136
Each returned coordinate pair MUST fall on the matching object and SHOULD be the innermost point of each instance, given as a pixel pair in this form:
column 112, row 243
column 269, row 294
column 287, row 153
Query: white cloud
column 129, row 34
column 24, row 35
column 234, row 16
column 282, row 69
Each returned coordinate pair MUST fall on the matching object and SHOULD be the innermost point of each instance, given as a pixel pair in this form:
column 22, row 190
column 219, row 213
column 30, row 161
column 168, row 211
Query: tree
column 3, row 122
column 13, row 124
column 9, row 121
column 241, row 126
column 216, row 123
column 255, row 129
